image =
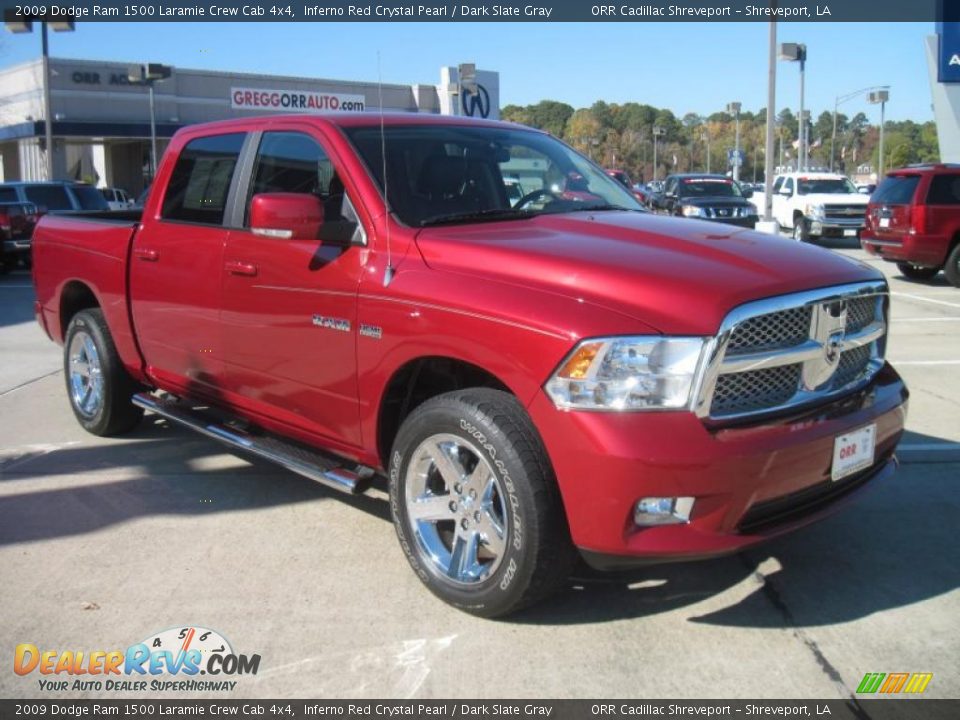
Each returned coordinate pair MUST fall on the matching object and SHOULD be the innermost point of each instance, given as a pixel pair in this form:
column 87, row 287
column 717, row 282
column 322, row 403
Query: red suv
column 913, row 219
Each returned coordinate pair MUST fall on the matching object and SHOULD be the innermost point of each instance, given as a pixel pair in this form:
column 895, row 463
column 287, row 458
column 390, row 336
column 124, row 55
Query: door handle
column 147, row 255
column 236, row 267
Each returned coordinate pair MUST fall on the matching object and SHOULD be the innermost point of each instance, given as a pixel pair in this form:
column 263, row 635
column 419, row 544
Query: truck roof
column 357, row 119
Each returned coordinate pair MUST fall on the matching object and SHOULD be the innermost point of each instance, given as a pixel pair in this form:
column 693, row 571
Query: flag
column 674, row 160
column 817, row 143
column 796, row 144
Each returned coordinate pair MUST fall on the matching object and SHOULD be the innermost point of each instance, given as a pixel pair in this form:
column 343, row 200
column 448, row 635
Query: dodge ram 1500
column 356, row 298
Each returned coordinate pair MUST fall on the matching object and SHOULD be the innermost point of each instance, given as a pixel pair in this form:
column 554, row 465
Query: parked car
column 623, row 178
column 117, row 199
column 816, row 205
column 17, row 221
column 54, row 197
column 708, row 197
column 914, row 220
column 528, row 380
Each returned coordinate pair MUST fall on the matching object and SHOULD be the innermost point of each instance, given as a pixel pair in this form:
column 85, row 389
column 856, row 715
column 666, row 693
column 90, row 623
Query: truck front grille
column 845, row 212
column 795, row 350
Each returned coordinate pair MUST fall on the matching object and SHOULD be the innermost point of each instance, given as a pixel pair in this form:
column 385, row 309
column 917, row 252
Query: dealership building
column 101, row 120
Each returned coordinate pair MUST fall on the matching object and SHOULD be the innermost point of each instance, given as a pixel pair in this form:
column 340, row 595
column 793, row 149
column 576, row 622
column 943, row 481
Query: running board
column 301, row 460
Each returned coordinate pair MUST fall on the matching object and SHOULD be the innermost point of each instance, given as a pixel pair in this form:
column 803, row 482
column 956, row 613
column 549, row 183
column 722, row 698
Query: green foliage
column 622, row 136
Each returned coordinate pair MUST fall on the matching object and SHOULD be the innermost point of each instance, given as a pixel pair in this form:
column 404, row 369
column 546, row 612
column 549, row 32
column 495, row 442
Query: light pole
column 880, row 96
column 805, row 143
column 148, row 74
column 26, row 27
column 797, row 52
column 706, row 139
column 657, row 132
column 771, row 120
column 836, row 104
column 734, row 109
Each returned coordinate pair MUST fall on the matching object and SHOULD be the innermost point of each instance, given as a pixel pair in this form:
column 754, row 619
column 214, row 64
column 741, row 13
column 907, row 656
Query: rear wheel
column 475, row 505
column 917, row 272
column 98, row 386
column 952, row 267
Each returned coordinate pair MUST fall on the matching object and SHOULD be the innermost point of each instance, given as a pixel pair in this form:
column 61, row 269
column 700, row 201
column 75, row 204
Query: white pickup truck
column 817, row 204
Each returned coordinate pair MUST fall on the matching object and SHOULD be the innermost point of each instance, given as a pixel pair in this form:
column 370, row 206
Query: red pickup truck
column 356, row 298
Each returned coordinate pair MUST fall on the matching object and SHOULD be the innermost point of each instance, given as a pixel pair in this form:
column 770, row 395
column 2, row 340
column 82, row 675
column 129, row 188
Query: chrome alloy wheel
column 456, row 510
column 86, row 376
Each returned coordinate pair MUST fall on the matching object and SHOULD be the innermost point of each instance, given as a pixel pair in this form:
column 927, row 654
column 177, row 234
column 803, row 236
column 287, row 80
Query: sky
column 686, row 67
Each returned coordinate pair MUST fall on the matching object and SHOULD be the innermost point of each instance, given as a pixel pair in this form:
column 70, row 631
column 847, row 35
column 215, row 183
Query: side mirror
column 746, row 192
column 286, row 216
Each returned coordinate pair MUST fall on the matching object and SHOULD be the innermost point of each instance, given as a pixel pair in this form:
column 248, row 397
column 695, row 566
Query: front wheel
column 475, row 505
column 98, row 386
column 917, row 272
column 801, row 230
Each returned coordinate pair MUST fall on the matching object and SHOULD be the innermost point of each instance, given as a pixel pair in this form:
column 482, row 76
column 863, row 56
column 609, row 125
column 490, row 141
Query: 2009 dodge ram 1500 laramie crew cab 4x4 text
column 355, row 296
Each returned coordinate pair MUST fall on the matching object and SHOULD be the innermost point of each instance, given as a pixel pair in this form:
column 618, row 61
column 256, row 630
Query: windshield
column 707, row 187
column 826, row 186
column 439, row 174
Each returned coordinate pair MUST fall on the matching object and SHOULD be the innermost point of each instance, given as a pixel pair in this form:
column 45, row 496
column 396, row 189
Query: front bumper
column 835, row 227
column 751, row 482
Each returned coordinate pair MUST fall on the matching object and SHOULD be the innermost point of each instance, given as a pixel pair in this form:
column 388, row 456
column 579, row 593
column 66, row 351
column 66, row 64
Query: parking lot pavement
column 104, row 542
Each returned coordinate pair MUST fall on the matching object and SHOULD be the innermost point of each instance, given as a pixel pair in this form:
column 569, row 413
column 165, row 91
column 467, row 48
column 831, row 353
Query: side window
column 201, row 179
column 944, row 190
column 295, row 163
column 788, row 184
column 777, row 184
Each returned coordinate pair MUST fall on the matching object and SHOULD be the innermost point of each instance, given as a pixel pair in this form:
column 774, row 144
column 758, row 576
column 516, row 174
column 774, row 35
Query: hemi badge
column 371, row 331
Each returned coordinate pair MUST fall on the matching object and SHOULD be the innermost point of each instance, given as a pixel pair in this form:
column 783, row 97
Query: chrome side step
column 301, row 460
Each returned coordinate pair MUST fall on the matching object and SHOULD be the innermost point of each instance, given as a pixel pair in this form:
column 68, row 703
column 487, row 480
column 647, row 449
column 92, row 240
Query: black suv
column 708, row 197
column 17, row 221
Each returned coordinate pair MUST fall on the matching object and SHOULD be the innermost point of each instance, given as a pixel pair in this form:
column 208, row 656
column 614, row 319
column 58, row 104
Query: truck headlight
column 627, row 373
column 814, row 210
column 692, row 211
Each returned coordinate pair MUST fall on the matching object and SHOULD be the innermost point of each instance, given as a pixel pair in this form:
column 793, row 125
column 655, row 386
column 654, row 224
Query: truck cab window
column 201, row 179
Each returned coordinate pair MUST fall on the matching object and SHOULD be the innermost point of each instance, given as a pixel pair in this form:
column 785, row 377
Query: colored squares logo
column 891, row 683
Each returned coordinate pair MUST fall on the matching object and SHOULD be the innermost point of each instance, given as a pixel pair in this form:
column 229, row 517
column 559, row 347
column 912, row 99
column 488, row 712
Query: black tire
column 917, row 272
column 801, row 229
column 952, row 267
column 490, row 436
column 100, row 400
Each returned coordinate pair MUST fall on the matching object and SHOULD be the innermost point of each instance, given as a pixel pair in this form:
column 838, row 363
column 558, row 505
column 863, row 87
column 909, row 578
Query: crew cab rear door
column 289, row 313
column 176, row 267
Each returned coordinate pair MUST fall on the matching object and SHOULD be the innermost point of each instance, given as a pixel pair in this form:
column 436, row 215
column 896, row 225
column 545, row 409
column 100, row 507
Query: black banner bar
column 853, row 709
column 482, row 11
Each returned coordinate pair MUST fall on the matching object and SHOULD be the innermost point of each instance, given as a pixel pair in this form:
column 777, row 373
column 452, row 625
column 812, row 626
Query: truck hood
column 675, row 275
column 834, row 199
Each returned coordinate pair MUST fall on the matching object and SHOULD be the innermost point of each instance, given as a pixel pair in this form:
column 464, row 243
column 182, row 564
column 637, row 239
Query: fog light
column 662, row 511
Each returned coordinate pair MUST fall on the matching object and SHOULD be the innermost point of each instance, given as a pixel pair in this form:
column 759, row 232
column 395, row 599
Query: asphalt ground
column 104, row 543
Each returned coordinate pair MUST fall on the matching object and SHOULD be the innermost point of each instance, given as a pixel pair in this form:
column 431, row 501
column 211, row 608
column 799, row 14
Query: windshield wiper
column 489, row 214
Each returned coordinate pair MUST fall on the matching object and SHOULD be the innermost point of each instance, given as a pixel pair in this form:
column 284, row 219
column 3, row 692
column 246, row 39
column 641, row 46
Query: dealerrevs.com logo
column 169, row 661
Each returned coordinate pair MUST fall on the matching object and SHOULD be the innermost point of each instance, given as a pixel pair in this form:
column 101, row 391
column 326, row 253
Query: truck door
column 176, row 268
column 289, row 314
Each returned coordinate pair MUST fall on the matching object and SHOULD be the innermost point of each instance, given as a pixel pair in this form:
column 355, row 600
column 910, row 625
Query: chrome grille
column 755, row 390
column 845, row 212
column 860, row 313
column 779, row 329
column 794, row 350
column 852, row 364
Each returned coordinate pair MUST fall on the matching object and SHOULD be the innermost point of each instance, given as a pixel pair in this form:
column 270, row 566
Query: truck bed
column 81, row 254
